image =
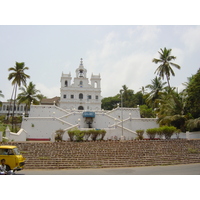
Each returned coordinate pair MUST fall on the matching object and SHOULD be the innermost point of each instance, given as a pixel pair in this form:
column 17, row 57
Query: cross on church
column 81, row 61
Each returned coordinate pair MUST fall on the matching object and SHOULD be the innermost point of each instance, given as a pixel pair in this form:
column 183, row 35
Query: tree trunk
column 14, row 106
column 10, row 103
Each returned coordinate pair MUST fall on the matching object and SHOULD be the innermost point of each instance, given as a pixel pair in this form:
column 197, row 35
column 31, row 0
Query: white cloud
column 191, row 38
column 49, row 92
column 119, row 61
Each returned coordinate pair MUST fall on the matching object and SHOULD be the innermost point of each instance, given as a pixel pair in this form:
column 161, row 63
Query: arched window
column 95, row 84
column 80, row 96
column 80, row 108
column 66, row 84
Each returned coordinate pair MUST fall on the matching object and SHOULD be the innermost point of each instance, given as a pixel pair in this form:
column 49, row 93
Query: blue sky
column 121, row 54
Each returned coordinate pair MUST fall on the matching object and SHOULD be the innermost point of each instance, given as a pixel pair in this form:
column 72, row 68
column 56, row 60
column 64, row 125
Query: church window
column 21, row 108
column 89, row 97
column 4, row 107
column 80, row 96
column 81, row 82
column 72, row 96
column 95, row 84
column 64, row 96
column 66, row 84
column 97, row 97
column 80, row 108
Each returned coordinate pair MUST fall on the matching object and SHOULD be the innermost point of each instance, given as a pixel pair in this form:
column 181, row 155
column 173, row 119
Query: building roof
column 50, row 101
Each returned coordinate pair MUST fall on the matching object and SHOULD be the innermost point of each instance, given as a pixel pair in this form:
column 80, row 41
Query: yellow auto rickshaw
column 12, row 156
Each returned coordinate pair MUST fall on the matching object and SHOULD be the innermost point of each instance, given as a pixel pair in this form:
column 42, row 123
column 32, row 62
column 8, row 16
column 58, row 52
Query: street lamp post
column 122, row 136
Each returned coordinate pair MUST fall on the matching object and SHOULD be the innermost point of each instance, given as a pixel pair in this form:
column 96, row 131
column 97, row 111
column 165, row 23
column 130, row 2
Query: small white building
column 5, row 107
column 80, row 95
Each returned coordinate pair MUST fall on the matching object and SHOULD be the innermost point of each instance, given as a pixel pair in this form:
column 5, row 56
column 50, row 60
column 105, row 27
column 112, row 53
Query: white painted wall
column 44, row 120
column 193, row 135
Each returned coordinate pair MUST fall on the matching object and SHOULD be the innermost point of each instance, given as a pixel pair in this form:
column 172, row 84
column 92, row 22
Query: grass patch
column 24, row 152
column 191, row 150
column 44, row 158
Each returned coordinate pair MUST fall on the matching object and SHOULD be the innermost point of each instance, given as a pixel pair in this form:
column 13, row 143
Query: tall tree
column 193, row 95
column 156, row 87
column 28, row 95
column 127, row 97
column 18, row 77
column 165, row 67
column 172, row 110
column 110, row 103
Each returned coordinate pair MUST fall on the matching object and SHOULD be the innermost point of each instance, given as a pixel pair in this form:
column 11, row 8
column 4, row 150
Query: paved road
column 190, row 169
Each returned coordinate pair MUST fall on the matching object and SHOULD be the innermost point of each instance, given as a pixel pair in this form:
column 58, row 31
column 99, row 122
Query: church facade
column 80, row 94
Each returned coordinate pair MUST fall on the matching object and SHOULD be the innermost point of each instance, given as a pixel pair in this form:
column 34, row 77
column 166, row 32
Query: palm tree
column 165, row 68
column 29, row 95
column 127, row 96
column 171, row 110
column 18, row 78
column 1, row 95
column 156, row 88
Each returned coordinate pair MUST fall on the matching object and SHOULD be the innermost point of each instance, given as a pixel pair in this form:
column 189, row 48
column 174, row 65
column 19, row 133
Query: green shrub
column 71, row 134
column 78, row 135
column 102, row 133
column 59, row 135
column 168, row 131
column 87, row 134
column 94, row 134
column 140, row 134
column 152, row 133
column 159, row 132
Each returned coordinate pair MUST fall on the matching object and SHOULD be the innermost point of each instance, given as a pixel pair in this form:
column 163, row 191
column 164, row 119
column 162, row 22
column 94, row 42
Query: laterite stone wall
column 107, row 154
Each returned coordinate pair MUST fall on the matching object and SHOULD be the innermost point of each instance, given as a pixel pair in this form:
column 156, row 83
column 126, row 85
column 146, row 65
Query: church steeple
column 81, row 72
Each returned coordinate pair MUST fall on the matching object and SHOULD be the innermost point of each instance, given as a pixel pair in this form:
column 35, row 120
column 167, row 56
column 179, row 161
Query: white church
column 80, row 107
column 80, row 95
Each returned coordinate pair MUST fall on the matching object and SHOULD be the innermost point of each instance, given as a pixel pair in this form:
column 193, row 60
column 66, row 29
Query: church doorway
column 80, row 108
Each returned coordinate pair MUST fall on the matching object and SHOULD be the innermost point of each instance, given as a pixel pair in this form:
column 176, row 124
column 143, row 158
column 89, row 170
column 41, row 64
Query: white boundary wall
column 44, row 120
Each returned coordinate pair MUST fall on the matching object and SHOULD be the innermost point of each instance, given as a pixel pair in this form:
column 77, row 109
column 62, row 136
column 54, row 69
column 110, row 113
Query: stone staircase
column 108, row 154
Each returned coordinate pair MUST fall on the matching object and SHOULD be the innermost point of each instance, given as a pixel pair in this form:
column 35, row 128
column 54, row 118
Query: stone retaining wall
column 107, row 154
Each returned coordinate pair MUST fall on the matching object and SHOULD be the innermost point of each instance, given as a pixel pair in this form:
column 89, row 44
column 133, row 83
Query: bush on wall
column 167, row 131
column 140, row 134
column 59, row 135
column 151, row 133
column 78, row 135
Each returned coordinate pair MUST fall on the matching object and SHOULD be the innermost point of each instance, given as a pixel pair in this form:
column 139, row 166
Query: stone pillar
column 53, row 137
column 1, row 136
column 187, row 135
column 8, row 132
